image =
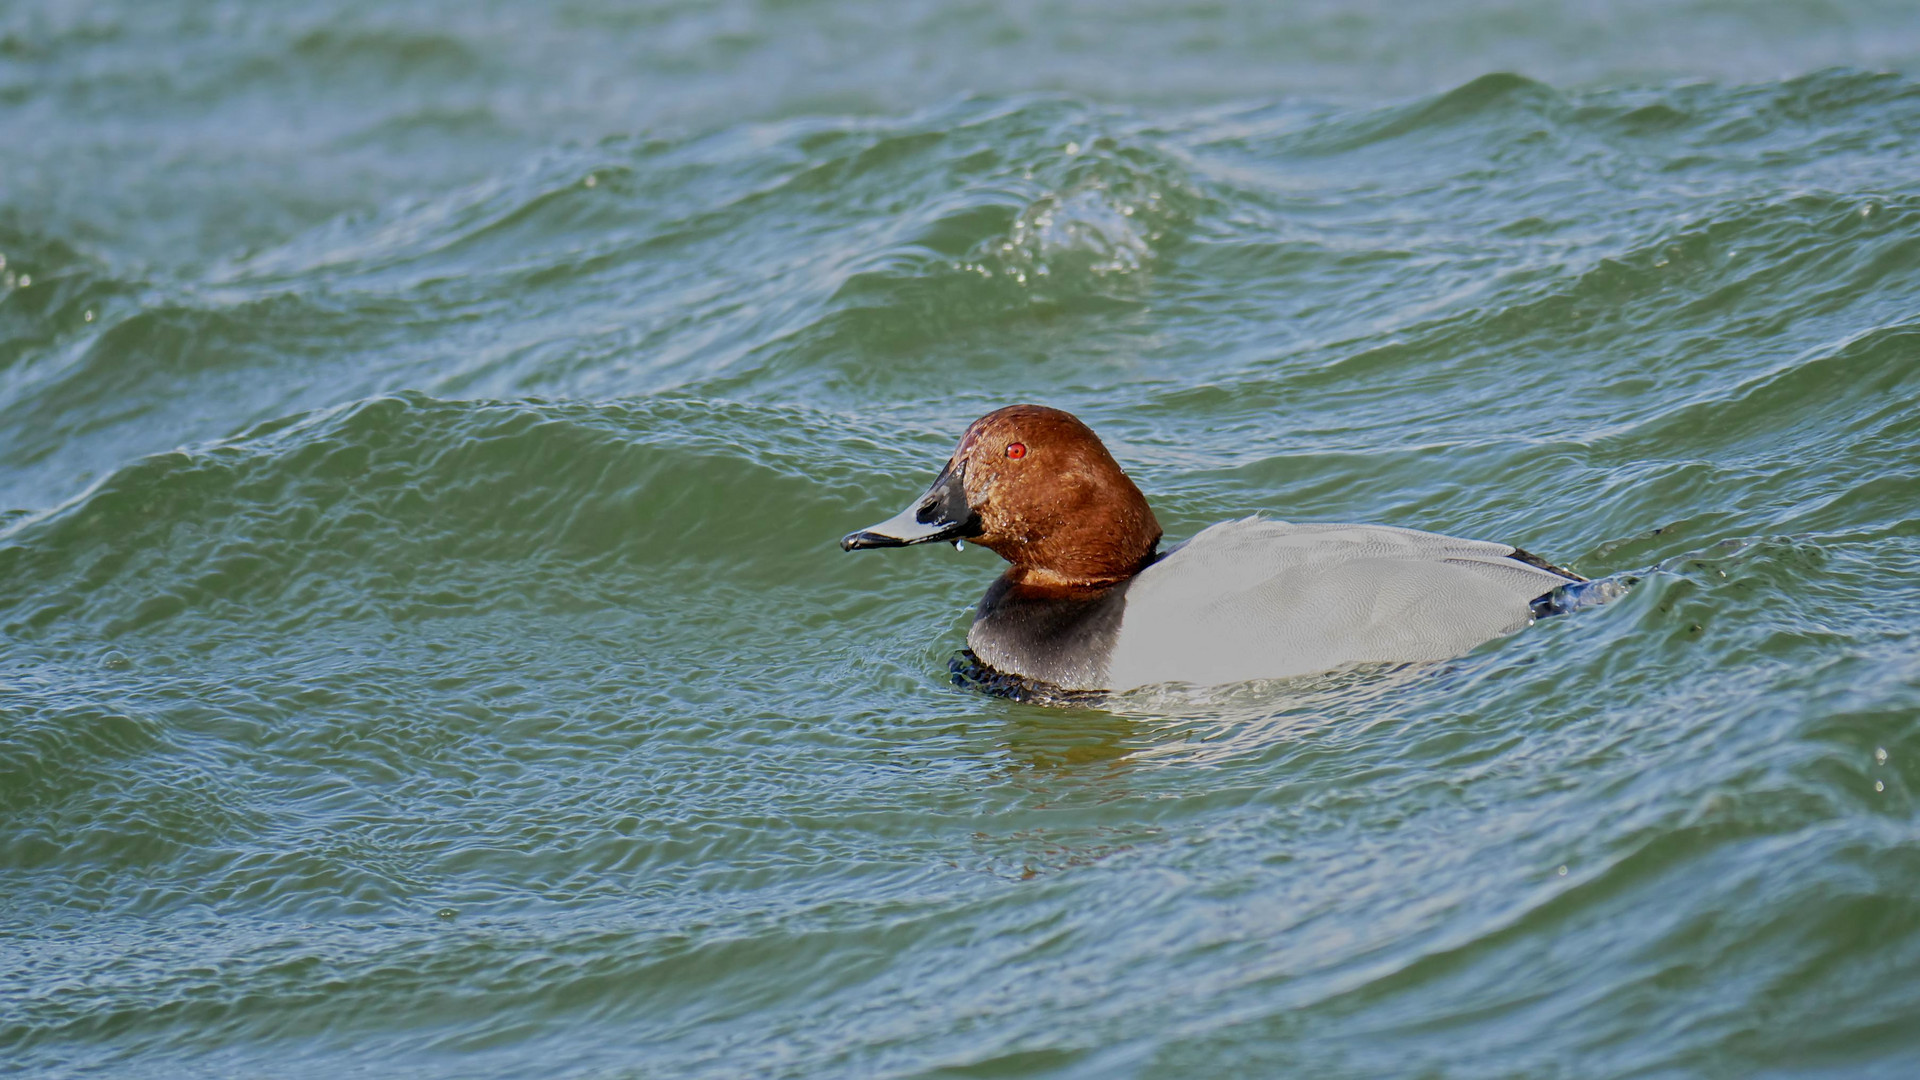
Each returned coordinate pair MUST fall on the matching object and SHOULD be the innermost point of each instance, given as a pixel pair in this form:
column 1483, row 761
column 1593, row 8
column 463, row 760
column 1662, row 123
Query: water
column 425, row 429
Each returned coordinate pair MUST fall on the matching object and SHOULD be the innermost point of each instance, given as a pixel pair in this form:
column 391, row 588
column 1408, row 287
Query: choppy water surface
column 424, row 430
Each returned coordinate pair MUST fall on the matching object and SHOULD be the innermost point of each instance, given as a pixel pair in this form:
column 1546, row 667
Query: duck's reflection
column 1087, row 772
column 1066, row 731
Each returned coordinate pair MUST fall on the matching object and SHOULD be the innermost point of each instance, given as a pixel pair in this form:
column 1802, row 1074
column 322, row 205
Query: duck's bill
column 903, row 529
column 941, row 514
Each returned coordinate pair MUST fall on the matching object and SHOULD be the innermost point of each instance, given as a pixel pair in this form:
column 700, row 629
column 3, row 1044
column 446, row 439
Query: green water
column 425, row 429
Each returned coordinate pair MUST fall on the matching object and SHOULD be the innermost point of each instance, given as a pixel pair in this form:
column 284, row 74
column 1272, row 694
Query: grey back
column 1260, row 599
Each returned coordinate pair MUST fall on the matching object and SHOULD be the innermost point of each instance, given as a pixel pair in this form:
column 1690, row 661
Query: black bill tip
column 855, row 541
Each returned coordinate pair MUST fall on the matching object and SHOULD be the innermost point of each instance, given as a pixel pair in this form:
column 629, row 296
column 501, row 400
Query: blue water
column 425, row 430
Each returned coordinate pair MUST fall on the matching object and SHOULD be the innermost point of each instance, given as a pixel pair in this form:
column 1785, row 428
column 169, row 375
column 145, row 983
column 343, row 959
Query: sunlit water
column 424, row 430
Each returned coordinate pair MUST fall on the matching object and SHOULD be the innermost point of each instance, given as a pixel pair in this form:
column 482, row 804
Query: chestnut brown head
column 1035, row 486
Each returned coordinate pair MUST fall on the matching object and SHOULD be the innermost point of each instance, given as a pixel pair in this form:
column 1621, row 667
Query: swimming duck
column 1090, row 603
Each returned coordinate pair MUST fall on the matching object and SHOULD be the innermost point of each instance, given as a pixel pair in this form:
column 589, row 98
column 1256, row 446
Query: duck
column 1089, row 602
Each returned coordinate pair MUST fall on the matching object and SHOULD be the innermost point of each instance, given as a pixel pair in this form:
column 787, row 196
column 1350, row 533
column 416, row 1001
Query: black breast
column 1060, row 637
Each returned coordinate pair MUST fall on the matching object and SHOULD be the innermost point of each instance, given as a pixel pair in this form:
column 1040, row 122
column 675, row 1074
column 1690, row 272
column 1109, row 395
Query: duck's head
column 1035, row 486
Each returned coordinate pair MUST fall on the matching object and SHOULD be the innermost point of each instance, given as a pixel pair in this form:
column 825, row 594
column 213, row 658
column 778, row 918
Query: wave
column 404, row 507
column 1818, row 108
column 50, row 294
column 832, row 230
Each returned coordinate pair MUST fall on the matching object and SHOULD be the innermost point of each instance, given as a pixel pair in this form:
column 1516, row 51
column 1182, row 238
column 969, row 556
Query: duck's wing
column 1254, row 599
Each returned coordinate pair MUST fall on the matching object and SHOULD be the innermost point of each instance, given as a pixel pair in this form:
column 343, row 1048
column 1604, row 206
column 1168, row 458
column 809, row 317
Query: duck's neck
column 1029, row 578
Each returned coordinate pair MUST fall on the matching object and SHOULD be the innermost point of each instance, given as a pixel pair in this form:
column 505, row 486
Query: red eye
column 1016, row 450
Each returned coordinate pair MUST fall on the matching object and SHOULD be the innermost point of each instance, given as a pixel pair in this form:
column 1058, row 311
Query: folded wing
column 1258, row 599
